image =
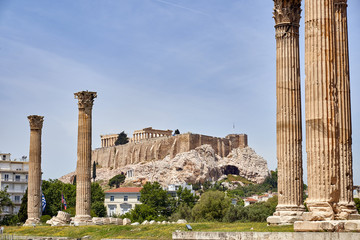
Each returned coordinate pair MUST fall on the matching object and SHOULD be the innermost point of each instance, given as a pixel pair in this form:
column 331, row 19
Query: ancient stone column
column 288, row 113
column 83, row 168
column 321, row 110
column 34, row 178
column 346, row 201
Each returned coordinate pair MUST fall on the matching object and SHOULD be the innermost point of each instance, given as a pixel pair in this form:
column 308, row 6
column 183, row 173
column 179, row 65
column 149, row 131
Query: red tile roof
column 251, row 200
column 125, row 190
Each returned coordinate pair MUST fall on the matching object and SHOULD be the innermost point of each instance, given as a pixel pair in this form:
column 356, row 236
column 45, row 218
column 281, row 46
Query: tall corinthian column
column 34, row 179
column 346, row 201
column 83, row 168
column 321, row 110
column 288, row 113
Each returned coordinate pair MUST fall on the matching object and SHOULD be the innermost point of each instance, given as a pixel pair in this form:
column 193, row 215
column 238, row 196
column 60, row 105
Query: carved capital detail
column 36, row 122
column 287, row 12
column 86, row 99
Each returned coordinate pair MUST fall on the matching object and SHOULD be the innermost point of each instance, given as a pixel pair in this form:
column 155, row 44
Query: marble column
column 321, row 110
column 34, row 178
column 346, row 201
column 288, row 113
column 83, row 168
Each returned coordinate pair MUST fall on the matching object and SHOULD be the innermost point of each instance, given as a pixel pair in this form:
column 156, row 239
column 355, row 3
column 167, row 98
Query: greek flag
column 43, row 202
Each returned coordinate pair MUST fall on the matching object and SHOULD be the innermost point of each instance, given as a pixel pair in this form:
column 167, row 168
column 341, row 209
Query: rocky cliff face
column 198, row 165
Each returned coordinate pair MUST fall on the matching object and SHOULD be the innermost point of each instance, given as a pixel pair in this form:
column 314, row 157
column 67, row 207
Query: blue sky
column 198, row 66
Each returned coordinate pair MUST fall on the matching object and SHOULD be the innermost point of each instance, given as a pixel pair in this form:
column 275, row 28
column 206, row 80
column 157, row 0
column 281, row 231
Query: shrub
column 211, row 207
column 44, row 218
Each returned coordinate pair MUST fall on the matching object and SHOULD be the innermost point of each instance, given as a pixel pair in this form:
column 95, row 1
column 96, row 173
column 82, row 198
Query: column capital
column 287, row 12
column 86, row 99
column 36, row 122
column 340, row 2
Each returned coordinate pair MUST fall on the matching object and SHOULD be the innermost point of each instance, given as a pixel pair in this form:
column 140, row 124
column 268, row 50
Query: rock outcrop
column 198, row 165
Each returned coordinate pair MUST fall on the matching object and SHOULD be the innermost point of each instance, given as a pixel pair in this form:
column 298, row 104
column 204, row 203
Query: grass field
column 141, row 231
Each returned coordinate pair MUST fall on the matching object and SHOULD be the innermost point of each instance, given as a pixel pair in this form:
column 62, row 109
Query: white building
column 172, row 188
column 121, row 200
column 14, row 176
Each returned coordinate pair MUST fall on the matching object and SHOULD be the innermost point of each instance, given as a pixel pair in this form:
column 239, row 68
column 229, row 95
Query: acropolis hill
column 157, row 155
column 147, row 145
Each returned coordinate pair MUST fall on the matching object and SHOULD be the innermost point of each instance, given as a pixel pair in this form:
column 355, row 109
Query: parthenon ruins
column 138, row 135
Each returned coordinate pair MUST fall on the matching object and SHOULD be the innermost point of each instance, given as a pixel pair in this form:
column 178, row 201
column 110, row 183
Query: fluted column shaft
column 346, row 200
column 321, row 107
column 34, row 178
column 83, row 168
column 288, row 106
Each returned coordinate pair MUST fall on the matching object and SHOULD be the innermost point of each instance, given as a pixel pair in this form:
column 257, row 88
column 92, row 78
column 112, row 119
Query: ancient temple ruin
column 83, row 168
column 34, row 179
column 327, row 115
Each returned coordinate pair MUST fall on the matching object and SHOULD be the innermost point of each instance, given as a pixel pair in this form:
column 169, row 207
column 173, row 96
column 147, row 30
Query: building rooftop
column 125, row 190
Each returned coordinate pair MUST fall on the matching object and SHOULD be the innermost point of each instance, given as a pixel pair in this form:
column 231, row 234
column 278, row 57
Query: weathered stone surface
column 189, row 235
column 62, row 218
column 34, row 179
column 126, row 221
column 329, row 226
column 158, row 148
column 196, row 165
column 181, row 221
column 346, row 201
column 321, row 109
column 83, row 168
column 288, row 110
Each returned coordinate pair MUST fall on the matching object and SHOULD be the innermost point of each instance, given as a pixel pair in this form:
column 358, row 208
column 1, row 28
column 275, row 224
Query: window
column 17, row 198
column 17, row 178
column 125, row 198
column 4, row 157
column 26, row 177
column 138, row 198
column 6, row 177
column 112, row 198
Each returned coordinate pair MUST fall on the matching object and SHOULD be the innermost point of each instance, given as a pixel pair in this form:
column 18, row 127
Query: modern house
column 121, row 200
column 14, row 178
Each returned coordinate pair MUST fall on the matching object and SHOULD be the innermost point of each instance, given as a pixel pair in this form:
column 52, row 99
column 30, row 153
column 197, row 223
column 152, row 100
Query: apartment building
column 14, row 177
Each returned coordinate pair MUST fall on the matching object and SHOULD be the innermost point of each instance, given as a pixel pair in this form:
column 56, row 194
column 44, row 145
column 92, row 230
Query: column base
column 328, row 226
column 81, row 220
column 286, row 215
column 348, row 207
column 319, row 211
column 32, row 222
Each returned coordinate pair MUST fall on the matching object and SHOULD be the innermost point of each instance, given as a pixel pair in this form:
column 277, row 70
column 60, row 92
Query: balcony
column 14, row 180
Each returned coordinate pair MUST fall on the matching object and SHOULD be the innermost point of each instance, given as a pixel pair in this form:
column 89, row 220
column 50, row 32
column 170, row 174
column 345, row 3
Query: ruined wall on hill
column 158, row 148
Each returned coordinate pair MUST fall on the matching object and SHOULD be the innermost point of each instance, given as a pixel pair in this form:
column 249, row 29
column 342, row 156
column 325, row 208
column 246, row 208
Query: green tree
column 143, row 212
column 97, row 200
column 117, row 180
column 122, row 139
column 5, row 199
column 211, row 207
column 185, row 196
column 52, row 190
column 94, row 171
column 157, row 198
column 357, row 203
column 183, row 212
column 22, row 214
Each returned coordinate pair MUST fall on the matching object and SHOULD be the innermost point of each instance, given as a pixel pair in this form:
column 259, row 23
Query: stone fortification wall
column 158, row 148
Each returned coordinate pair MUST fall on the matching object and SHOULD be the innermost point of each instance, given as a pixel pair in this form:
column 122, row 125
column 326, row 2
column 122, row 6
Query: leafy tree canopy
column 122, row 139
column 154, row 196
column 5, row 199
column 211, row 207
column 185, row 196
column 117, row 180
